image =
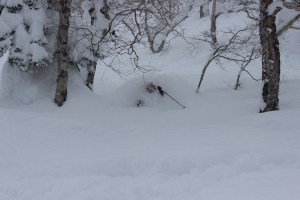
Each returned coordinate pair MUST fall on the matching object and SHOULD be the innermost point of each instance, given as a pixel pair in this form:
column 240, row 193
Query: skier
column 151, row 88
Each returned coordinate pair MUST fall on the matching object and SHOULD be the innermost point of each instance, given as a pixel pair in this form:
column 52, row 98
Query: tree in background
column 238, row 45
column 155, row 20
column 161, row 17
column 219, row 7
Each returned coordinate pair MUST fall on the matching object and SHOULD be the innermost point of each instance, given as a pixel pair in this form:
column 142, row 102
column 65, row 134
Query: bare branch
column 288, row 25
column 235, row 50
column 293, row 6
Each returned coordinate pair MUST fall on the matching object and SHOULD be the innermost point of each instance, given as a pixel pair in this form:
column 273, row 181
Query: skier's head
column 151, row 87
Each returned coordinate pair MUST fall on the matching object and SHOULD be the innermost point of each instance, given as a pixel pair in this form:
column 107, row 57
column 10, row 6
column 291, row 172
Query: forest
column 149, row 99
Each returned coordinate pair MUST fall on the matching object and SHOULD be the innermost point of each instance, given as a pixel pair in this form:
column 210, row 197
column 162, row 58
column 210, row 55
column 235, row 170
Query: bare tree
column 161, row 18
column 245, row 60
column 157, row 19
column 240, row 48
column 270, row 56
column 217, row 8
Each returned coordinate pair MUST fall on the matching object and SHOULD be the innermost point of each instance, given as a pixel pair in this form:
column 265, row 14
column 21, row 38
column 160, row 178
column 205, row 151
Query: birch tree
column 270, row 56
column 64, row 10
column 213, row 22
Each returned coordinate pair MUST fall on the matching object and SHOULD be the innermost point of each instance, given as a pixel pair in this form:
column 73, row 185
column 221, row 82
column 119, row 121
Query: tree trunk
column 1, row 8
column 204, row 9
column 91, row 67
column 91, row 75
column 238, row 83
column 213, row 23
column 201, row 11
column 64, row 9
column 105, row 9
column 203, row 72
column 270, row 58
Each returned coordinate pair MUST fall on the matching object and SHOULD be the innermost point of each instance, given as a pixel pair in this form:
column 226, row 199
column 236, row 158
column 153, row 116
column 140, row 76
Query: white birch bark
column 64, row 9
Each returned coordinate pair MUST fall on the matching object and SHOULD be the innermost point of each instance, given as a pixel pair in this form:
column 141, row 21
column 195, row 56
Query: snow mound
column 27, row 88
column 24, row 87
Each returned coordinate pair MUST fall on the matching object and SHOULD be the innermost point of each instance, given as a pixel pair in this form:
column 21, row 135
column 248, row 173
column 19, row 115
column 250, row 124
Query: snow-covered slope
column 104, row 147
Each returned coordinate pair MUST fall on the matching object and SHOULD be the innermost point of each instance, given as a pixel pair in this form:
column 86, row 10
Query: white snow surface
column 103, row 147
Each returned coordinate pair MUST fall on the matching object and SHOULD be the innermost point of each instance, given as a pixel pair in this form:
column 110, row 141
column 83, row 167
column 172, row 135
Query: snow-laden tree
column 90, row 35
column 82, row 40
column 59, row 35
column 23, row 27
column 38, row 35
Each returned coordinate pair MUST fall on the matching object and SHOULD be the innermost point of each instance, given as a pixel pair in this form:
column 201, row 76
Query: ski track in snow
column 103, row 147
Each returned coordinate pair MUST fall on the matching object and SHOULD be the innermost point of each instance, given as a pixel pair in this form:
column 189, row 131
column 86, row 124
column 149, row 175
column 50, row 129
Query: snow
column 5, row 29
column 104, row 147
column 28, row 52
column 12, row 19
column 86, row 6
column 13, row 3
column 284, row 17
column 273, row 6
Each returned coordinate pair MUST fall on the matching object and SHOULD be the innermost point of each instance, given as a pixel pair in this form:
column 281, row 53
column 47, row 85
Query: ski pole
column 161, row 91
